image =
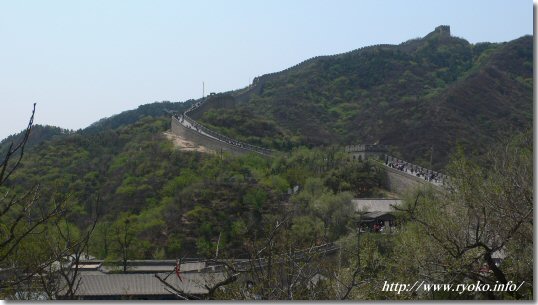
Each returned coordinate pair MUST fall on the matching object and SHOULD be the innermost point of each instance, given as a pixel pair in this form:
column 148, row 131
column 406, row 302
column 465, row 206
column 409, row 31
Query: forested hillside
column 177, row 202
column 435, row 91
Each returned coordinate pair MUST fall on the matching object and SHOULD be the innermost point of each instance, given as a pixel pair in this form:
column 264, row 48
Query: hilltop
column 39, row 134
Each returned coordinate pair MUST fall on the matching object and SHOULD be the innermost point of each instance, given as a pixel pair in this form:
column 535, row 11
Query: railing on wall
column 217, row 136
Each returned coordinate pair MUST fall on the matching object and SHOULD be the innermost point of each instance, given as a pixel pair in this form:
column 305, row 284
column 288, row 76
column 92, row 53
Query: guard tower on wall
column 443, row 30
column 362, row 152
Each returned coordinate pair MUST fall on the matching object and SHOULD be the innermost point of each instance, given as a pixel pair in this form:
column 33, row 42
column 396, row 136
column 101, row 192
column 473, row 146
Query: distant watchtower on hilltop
column 443, row 30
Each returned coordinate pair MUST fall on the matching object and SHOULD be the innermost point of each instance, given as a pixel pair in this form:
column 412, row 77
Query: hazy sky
column 85, row 60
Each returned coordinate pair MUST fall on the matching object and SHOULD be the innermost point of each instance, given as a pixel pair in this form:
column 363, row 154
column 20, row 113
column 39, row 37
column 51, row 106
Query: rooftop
column 133, row 284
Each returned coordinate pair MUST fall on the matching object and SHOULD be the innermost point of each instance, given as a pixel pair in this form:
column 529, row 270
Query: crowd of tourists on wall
column 415, row 170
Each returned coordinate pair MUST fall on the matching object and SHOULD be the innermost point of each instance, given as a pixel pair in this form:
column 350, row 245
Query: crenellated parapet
column 366, row 148
column 361, row 152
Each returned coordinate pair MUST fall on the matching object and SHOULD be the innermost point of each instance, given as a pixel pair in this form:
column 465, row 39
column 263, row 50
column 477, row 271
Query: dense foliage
column 182, row 203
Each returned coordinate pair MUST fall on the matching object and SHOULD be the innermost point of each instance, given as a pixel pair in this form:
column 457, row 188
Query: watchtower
column 362, row 152
column 443, row 30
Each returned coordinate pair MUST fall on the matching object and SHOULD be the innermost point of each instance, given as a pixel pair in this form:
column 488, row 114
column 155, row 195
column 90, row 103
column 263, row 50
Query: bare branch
column 4, row 171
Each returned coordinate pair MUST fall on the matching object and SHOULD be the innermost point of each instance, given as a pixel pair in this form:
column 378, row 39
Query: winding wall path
column 399, row 179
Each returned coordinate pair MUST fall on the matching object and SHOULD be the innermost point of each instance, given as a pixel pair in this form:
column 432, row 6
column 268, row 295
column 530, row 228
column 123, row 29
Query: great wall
column 399, row 179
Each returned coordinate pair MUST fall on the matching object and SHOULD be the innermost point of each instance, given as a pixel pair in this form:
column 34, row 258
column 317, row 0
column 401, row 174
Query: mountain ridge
column 382, row 91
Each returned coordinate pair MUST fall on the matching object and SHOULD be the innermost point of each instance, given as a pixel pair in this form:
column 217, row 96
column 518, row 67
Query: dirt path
column 183, row 144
